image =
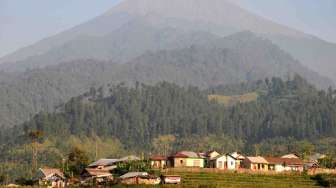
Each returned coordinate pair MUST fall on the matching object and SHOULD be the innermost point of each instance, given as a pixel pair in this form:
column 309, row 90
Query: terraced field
column 235, row 99
column 232, row 180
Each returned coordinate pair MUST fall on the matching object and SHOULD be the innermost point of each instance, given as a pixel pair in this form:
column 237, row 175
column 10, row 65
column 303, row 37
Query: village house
column 211, row 154
column 96, row 176
column 139, row 178
column 158, row 161
column 234, row 160
column 186, row 159
column 51, row 177
column 255, row 163
column 219, row 162
column 280, row 164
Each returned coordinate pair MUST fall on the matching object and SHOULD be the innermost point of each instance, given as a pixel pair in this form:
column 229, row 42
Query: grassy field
column 232, row 100
column 233, row 180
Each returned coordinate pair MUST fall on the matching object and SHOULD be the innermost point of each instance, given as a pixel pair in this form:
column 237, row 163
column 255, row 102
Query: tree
column 35, row 137
column 77, row 161
column 163, row 144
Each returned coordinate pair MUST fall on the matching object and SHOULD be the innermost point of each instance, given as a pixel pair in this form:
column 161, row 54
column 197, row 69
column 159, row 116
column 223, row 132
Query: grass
column 235, row 180
column 235, row 99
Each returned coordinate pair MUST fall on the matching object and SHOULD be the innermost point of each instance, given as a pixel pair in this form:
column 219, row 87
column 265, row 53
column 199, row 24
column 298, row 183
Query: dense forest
column 241, row 57
column 288, row 116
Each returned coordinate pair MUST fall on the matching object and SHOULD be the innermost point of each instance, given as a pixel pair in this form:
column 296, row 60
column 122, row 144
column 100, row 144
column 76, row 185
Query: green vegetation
column 288, row 116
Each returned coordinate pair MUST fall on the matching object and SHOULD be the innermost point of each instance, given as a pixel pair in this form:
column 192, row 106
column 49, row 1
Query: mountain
column 288, row 116
column 100, row 38
column 241, row 57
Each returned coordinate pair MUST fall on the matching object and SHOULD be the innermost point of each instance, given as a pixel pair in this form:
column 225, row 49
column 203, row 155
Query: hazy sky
column 23, row 22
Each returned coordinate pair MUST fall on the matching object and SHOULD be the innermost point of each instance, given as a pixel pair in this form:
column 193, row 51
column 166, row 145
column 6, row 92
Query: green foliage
column 77, row 161
column 132, row 166
column 290, row 116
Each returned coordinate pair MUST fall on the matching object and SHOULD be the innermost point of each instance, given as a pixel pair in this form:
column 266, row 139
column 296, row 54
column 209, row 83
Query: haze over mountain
column 218, row 17
column 241, row 57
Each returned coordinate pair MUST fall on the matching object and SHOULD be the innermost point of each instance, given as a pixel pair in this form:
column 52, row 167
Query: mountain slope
column 230, row 60
column 121, row 45
column 218, row 17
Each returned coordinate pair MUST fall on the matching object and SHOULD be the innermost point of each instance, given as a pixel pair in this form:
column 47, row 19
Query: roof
column 103, row 162
column 47, row 172
column 129, row 158
column 219, row 156
column 186, row 154
column 133, row 174
column 97, row 172
column 157, row 158
column 110, row 162
column 258, row 159
column 286, row 161
column 236, row 155
column 291, row 155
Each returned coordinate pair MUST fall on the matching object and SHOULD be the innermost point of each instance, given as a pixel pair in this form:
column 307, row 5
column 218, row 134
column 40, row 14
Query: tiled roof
column 187, row 154
column 260, row 160
column 52, row 171
column 157, row 158
column 286, row 161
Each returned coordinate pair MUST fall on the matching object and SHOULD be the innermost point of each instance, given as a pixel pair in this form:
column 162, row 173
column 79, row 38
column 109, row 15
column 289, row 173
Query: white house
column 234, row 160
column 219, row 162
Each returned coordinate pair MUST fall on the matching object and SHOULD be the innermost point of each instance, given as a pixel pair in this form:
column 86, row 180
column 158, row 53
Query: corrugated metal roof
column 103, row 162
column 133, row 174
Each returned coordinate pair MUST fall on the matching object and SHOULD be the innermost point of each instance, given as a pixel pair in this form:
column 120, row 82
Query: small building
column 219, row 162
column 51, row 177
column 234, row 160
column 96, row 176
column 280, row 164
column 158, row 161
column 255, row 163
column 135, row 178
column 186, row 159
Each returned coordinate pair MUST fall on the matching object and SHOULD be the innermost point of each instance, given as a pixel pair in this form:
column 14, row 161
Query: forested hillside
column 238, row 58
column 286, row 117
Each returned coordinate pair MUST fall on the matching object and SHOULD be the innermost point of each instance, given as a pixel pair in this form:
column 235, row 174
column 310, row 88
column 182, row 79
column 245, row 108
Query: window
column 181, row 161
column 220, row 164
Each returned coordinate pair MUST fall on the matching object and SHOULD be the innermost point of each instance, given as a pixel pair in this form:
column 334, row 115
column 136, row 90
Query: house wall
column 188, row 162
column 221, row 163
column 255, row 166
column 231, row 163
